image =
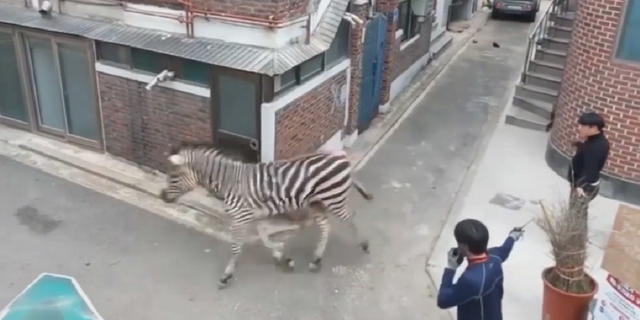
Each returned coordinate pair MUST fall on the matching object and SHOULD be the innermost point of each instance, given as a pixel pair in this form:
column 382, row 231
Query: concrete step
column 542, row 80
column 555, row 44
column 548, row 68
column 524, row 119
column 536, row 93
column 537, row 107
column 560, row 32
column 563, row 20
column 550, row 55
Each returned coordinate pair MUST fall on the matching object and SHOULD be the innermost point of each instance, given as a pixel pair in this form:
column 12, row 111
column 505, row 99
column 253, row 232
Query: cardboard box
column 622, row 254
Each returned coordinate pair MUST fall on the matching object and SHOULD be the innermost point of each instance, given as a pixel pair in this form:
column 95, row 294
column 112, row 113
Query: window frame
column 341, row 34
column 173, row 63
column 27, row 67
column 621, row 32
column 410, row 22
column 327, row 62
column 24, row 80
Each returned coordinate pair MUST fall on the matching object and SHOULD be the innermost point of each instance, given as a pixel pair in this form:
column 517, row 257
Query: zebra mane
column 192, row 145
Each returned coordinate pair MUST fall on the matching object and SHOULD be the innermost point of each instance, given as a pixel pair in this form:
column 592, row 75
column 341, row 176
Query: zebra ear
column 176, row 159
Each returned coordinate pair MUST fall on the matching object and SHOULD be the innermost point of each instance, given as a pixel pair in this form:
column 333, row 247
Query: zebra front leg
column 323, row 225
column 238, row 232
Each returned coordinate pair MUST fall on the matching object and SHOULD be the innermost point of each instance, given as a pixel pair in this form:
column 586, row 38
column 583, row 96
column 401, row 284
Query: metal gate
column 372, row 62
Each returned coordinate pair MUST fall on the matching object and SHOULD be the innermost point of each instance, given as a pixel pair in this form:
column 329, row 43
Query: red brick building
column 263, row 80
column 602, row 74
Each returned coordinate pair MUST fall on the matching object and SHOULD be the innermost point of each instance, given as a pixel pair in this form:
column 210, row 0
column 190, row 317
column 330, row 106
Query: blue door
column 372, row 62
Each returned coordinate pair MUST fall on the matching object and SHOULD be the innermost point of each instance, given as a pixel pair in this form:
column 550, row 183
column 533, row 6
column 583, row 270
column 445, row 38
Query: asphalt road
column 133, row 264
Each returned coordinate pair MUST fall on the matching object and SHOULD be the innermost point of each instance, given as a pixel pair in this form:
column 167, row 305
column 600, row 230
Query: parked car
column 527, row 8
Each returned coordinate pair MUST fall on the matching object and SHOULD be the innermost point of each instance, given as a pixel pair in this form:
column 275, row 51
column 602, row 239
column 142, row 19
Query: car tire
column 531, row 17
column 495, row 14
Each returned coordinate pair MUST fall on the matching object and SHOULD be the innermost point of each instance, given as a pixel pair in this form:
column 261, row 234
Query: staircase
column 537, row 92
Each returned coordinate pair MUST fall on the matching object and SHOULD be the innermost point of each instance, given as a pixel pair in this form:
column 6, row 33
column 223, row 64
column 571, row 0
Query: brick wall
column 594, row 80
column 141, row 125
column 403, row 59
column 397, row 61
column 306, row 123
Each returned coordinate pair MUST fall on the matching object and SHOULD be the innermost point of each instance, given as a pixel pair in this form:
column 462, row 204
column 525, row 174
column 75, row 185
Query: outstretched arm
column 452, row 295
column 504, row 250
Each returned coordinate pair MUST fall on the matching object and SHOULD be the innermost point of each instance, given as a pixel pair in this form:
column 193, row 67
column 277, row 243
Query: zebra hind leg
column 266, row 231
column 363, row 242
column 323, row 224
column 349, row 218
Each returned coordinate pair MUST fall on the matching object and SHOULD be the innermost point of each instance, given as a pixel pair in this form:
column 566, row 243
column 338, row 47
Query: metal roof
column 216, row 52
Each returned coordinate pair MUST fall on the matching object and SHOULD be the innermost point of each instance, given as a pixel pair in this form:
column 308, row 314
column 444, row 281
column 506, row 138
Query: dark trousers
column 590, row 193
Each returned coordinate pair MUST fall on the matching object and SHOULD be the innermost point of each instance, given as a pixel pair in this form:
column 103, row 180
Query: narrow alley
column 136, row 265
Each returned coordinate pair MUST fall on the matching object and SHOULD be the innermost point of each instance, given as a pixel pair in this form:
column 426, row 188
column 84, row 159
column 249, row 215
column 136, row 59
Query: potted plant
column 568, row 289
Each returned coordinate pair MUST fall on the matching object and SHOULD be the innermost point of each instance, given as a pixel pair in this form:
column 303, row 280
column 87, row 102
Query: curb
column 127, row 184
column 366, row 144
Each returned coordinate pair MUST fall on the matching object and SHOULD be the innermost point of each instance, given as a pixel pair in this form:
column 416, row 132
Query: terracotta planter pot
column 559, row 305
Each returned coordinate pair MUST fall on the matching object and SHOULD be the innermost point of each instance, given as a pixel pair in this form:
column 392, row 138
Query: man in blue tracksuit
column 478, row 292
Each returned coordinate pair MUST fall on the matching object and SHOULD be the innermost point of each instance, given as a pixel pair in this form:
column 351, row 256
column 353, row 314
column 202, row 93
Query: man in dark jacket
column 478, row 292
column 590, row 157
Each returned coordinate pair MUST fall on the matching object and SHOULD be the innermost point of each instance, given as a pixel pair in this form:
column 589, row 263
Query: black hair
column 591, row 119
column 473, row 234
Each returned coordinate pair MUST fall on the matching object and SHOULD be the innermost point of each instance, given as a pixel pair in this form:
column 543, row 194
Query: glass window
column 339, row 49
column 11, row 99
column 237, row 103
column 47, row 84
column 196, row 71
column 80, row 105
column 287, row 79
column 407, row 21
column 113, row 53
column 311, row 67
column 148, row 60
column 628, row 45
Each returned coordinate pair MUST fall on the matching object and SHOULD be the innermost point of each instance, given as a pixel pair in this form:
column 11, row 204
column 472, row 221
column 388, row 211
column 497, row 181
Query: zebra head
column 183, row 175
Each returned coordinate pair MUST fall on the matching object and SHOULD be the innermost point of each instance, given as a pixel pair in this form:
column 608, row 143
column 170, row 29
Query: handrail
column 540, row 31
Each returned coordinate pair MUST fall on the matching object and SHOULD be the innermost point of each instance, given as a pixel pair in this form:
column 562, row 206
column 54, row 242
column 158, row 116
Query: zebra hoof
column 224, row 282
column 316, row 265
column 364, row 246
column 287, row 264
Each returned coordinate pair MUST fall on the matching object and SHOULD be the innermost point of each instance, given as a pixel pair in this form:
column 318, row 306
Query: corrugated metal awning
column 231, row 55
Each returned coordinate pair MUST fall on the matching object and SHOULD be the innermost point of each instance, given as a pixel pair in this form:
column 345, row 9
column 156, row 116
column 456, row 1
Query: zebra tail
column 361, row 190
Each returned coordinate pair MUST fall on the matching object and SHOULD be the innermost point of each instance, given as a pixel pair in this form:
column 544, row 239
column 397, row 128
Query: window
column 12, row 103
column 628, row 44
column 153, row 62
column 311, row 67
column 339, row 49
column 337, row 52
column 63, row 89
column 113, row 53
column 407, row 20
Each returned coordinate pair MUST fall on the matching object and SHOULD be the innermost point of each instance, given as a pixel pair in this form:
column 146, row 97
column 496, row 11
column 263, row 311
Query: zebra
column 318, row 182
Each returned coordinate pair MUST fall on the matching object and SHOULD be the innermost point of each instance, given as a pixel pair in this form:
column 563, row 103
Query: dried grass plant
column 567, row 228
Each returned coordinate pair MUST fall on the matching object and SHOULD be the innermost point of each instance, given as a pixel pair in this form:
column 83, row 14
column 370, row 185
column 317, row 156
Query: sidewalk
column 510, row 180
column 202, row 212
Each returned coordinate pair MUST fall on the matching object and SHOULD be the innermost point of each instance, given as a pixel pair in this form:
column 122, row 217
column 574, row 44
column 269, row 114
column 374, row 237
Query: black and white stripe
column 319, row 182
